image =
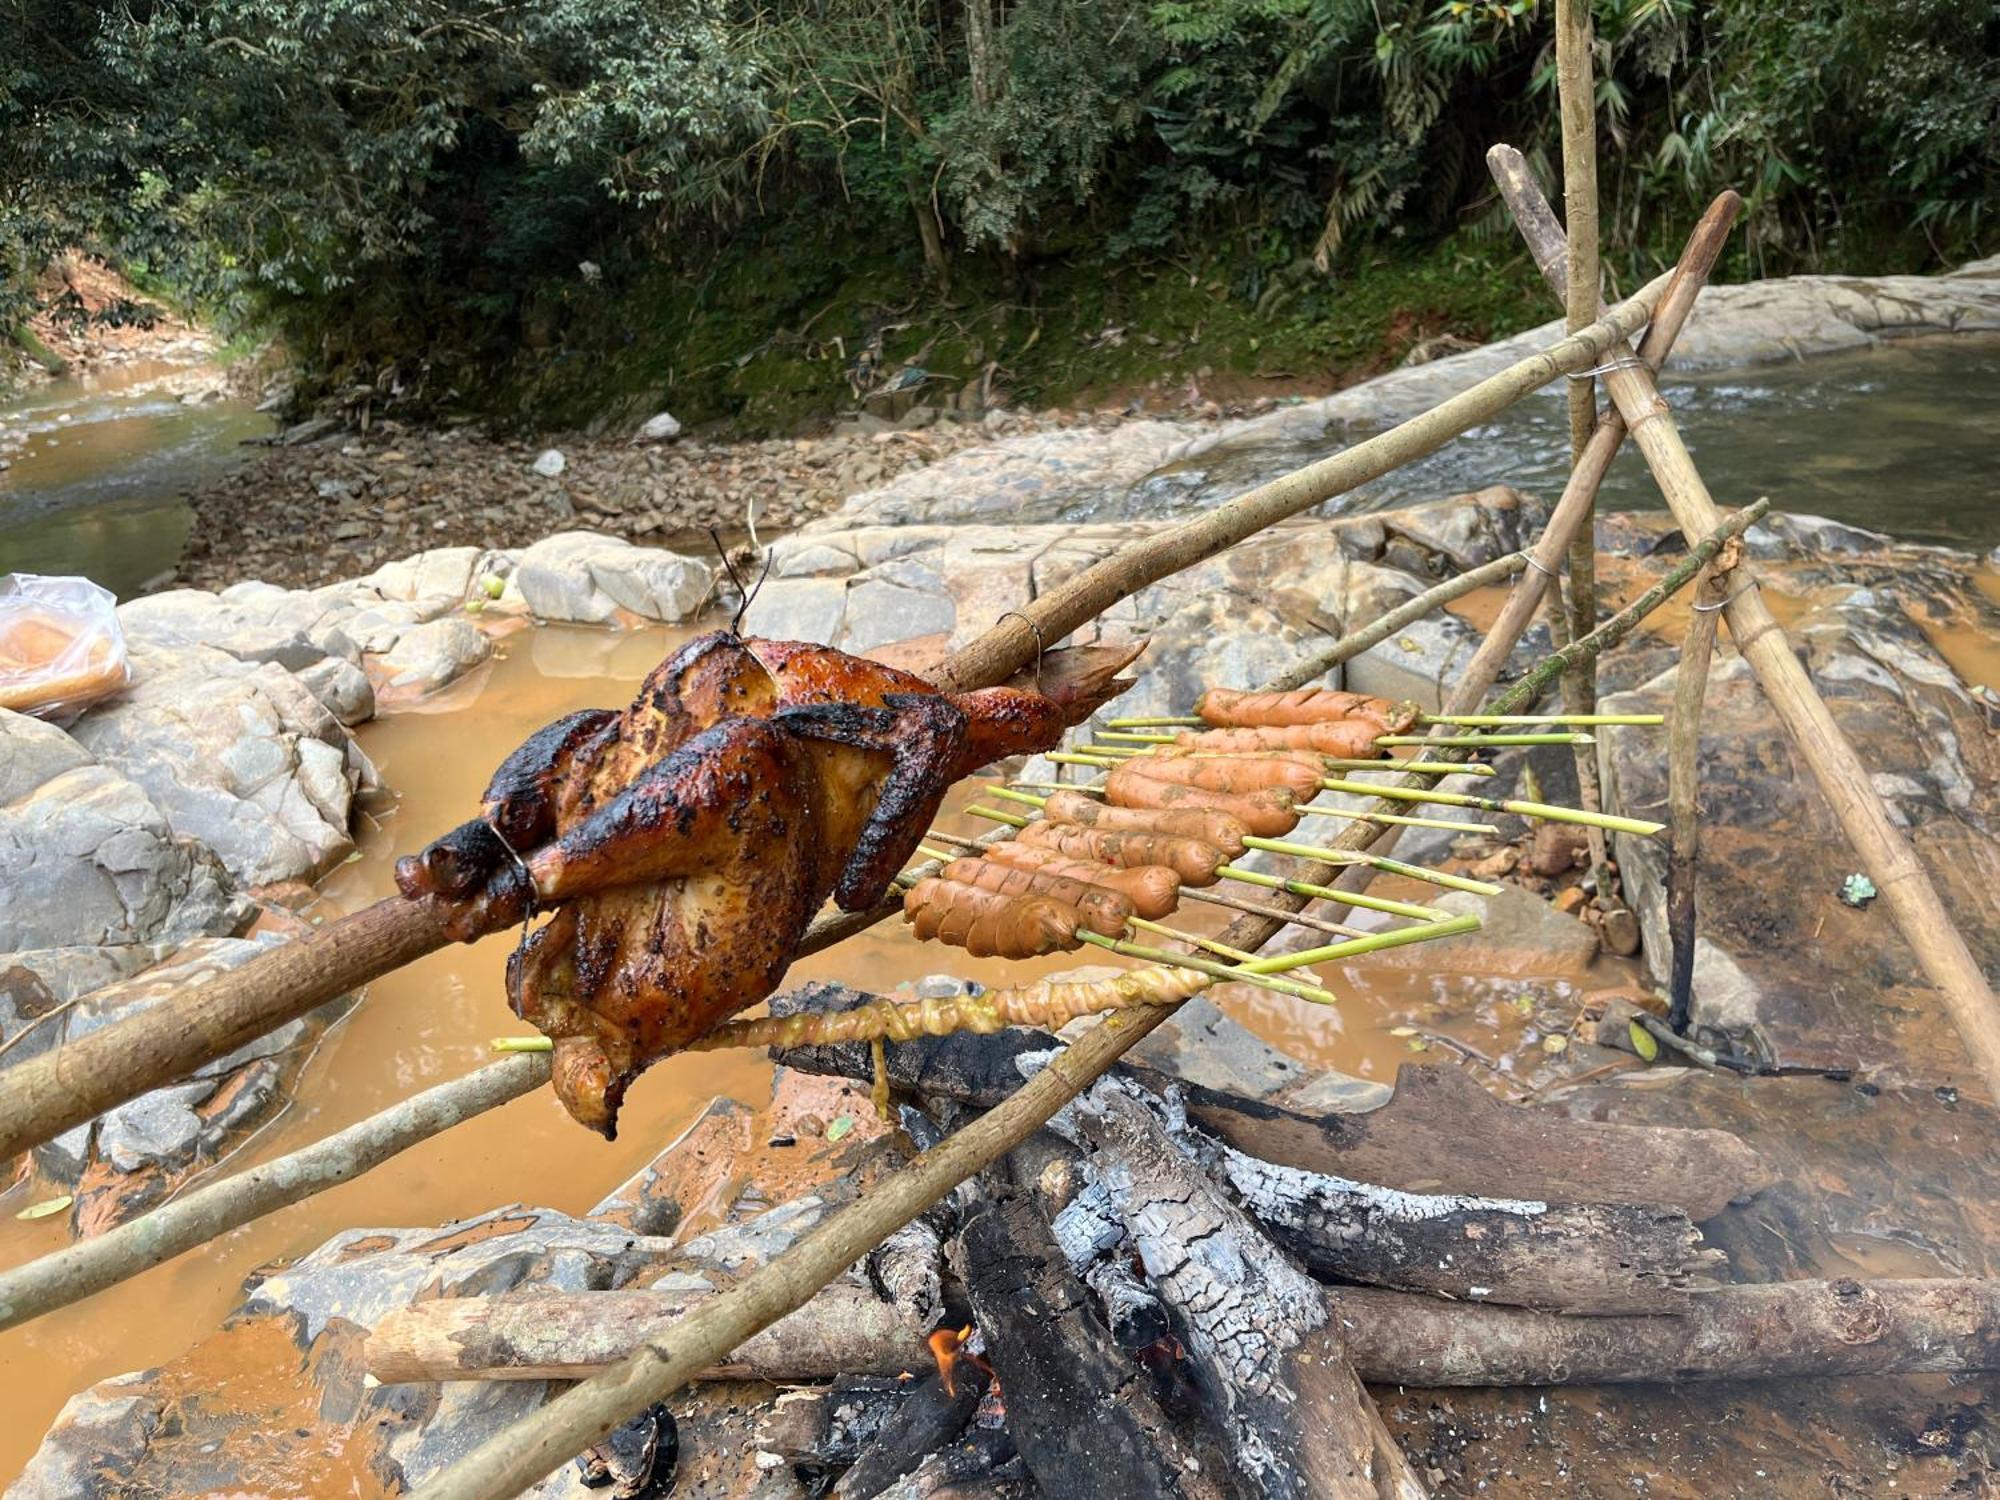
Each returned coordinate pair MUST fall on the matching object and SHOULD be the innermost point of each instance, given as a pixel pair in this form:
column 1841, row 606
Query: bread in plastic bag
column 60, row 646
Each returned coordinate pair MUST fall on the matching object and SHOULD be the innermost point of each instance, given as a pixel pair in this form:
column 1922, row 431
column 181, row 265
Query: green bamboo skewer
column 1482, row 741
column 1407, row 820
column 1493, row 804
column 1374, row 942
column 1232, row 974
column 1194, row 721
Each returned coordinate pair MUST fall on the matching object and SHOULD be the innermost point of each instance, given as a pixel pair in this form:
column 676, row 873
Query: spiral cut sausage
column 1229, row 709
column 1248, row 774
column 1268, row 813
column 1347, row 738
column 1153, row 890
column 1102, row 909
column 987, row 924
column 1195, row 862
column 1217, row 828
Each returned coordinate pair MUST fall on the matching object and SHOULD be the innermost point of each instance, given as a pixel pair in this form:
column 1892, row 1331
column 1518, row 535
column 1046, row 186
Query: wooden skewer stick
column 1543, row 810
column 1481, row 741
column 1304, row 812
column 1898, row 874
column 1207, row 898
column 1683, row 786
column 1478, row 720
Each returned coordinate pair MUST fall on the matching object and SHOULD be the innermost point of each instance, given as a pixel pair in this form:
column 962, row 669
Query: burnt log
column 934, row 1413
column 1256, row 1328
column 1785, row 1330
column 1077, row 1404
column 1440, row 1132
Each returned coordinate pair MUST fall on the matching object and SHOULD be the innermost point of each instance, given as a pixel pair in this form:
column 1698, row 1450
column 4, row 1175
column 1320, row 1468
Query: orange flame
column 948, row 1348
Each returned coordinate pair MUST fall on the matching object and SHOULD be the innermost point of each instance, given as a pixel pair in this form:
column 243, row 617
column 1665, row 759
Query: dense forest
column 573, row 207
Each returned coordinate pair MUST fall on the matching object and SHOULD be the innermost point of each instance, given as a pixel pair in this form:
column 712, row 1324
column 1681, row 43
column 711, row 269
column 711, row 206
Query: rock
column 157, row 1129
column 312, row 430
column 801, row 609
column 342, row 689
column 661, row 427
column 549, row 463
column 1520, row 937
column 86, row 857
column 1557, row 849
column 428, row 656
column 587, row 578
column 242, row 758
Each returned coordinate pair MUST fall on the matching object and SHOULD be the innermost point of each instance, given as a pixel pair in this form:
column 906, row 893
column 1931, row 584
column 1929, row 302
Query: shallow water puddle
column 434, row 1020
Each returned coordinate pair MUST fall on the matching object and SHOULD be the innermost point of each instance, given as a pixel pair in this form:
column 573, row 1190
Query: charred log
column 932, row 1415
column 1076, row 1403
column 1255, row 1327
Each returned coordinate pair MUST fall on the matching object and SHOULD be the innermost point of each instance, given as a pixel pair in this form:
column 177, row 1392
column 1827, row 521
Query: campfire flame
column 948, row 1349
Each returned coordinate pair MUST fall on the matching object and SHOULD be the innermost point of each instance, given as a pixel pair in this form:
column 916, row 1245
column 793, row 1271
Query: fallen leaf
column 840, row 1127
column 1643, row 1041
column 1555, row 1045
column 46, row 1207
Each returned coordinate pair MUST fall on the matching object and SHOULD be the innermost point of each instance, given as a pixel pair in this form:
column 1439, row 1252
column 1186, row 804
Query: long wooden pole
column 1578, row 107
column 1579, row 496
column 41, row 1098
column 1892, row 864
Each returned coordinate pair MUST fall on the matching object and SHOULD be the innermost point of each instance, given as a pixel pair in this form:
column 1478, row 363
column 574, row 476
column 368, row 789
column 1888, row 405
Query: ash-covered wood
column 1076, row 1403
column 1442, row 1133
column 981, row 1465
column 1254, row 1326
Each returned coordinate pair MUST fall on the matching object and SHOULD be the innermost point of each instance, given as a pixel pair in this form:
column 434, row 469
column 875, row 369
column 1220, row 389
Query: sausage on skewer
column 1268, row 813
column 1102, row 909
column 1195, row 862
column 988, row 925
column 1248, row 774
column 1314, row 705
column 1153, row 890
column 1347, row 738
column 1211, row 827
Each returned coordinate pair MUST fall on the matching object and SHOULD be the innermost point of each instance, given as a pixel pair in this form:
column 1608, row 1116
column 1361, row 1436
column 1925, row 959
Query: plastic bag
column 60, row 646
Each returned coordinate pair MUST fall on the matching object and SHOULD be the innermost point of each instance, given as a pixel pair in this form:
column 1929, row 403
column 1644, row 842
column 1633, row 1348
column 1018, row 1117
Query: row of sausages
column 1173, row 817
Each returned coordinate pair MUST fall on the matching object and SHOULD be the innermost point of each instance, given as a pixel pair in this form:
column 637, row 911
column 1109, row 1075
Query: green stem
column 1477, row 720
column 1493, row 804
column 1402, row 818
column 1381, row 862
column 1481, row 741
column 1227, row 972
column 1374, row 942
column 1327, row 893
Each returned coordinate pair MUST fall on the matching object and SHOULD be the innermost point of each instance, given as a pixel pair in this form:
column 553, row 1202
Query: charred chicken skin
column 687, row 841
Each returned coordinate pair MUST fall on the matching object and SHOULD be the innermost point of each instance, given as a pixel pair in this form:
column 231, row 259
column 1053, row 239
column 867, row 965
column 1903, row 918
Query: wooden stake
column 1683, row 757
column 1880, row 846
column 1578, row 104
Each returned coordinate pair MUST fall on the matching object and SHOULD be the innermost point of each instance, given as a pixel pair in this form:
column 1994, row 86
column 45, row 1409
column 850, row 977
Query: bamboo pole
column 1352, row 645
column 1683, row 759
column 1698, row 258
column 1892, row 863
column 46, row 1095
column 1577, row 102
column 77, row 1271
column 518, row 1456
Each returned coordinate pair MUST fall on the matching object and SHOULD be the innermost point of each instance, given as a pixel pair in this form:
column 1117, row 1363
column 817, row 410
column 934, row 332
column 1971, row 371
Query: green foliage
column 417, row 191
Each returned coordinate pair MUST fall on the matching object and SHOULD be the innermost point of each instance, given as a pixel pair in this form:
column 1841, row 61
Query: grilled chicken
column 688, row 841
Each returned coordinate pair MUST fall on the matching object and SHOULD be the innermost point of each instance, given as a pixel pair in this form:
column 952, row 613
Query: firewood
column 1255, row 1327
column 1076, row 1403
column 844, row 1330
column 1439, row 1133
column 932, row 1414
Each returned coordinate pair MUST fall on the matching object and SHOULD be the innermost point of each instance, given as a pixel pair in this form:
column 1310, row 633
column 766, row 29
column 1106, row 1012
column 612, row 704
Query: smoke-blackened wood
column 982, row 1465
column 1076, row 1403
column 1085, row 1229
column 1255, row 1327
column 906, row 1269
column 929, row 1417
column 1439, row 1133
column 1442, row 1133
column 1787, row 1330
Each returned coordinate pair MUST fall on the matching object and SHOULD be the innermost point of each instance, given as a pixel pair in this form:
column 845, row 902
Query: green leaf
column 1643, row 1041
column 840, row 1127
column 45, row 1208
